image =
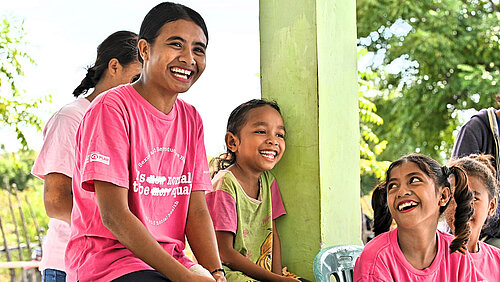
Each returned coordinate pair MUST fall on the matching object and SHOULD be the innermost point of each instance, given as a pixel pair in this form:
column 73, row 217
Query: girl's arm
column 57, row 196
column 236, row 261
column 126, row 227
column 201, row 235
column 276, row 262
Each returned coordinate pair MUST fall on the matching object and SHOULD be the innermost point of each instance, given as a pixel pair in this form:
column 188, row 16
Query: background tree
column 372, row 168
column 448, row 62
column 16, row 111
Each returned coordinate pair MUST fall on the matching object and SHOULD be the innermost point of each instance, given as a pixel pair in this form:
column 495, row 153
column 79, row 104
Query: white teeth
column 183, row 76
column 269, row 154
column 180, row 71
column 406, row 204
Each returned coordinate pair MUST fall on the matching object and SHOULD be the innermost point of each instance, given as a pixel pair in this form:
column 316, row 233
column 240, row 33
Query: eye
column 281, row 135
column 260, row 131
column 415, row 179
column 199, row 51
column 391, row 186
column 175, row 44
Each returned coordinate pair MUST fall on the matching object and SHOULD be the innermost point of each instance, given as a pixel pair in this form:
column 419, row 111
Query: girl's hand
column 219, row 277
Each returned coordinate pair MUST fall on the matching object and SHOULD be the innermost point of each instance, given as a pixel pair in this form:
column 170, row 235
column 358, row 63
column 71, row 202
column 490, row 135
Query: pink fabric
column 277, row 202
column 487, row 262
column 382, row 260
column 160, row 158
column 223, row 207
column 57, row 155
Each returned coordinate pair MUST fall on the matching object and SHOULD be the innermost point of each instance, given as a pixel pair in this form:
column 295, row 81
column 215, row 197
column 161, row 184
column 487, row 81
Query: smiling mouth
column 181, row 73
column 269, row 154
column 407, row 206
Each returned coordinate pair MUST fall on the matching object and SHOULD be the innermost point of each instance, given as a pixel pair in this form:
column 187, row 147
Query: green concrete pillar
column 308, row 65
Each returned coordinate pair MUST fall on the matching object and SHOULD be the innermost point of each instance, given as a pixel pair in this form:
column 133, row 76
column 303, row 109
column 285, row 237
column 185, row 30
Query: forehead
column 185, row 29
column 266, row 114
column 476, row 184
column 405, row 169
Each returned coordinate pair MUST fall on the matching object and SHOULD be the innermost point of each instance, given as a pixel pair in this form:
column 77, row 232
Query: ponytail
column 121, row 45
column 87, row 83
column 463, row 197
column 382, row 218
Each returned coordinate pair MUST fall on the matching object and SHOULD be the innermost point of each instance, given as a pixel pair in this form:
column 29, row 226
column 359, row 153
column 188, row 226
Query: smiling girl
column 141, row 168
column 484, row 185
column 246, row 199
column 415, row 193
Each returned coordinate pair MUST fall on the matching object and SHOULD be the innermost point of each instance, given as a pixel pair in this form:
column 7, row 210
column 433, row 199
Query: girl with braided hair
column 415, row 193
column 483, row 183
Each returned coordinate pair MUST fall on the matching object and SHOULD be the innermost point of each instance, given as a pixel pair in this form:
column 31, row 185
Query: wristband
column 217, row 270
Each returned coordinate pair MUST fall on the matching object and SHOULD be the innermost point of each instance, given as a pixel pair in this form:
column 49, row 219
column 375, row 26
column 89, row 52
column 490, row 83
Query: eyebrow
column 408, row 175
column 172, row 38
column 259, row 123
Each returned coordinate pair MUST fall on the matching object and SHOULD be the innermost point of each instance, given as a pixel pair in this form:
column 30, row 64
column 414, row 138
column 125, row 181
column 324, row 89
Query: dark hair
column 481, row 166
column 164, row 13
column 237, row 119
column 121, row 45
column 439, row 174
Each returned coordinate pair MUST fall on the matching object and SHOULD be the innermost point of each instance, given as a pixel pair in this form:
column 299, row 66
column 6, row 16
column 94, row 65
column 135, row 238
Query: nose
column 187, row 57
column 403, row 191
column 272, row 141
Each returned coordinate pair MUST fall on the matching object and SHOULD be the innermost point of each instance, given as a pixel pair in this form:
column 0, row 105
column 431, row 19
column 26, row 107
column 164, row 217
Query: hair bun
column 446, row 171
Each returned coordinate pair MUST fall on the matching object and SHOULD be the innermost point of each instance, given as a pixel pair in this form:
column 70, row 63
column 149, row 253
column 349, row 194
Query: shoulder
column 115, row 96
column 225, row 181
column 376, row 249
column 492, row 250
column 477, row 121
column 268, row 177
column 187, row 109
column 376, row 258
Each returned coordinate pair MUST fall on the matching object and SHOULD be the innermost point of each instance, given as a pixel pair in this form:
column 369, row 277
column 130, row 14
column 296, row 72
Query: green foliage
column 455, row 49
column 370, row 144
column 16, row 112
column 16, row 168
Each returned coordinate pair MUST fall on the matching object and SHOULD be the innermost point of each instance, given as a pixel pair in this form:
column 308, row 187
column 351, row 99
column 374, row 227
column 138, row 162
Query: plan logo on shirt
column 97, row 157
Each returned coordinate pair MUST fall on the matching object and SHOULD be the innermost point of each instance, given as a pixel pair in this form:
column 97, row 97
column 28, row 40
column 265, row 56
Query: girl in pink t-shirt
column 484, row 185
column 141, row 168
column 415, row 193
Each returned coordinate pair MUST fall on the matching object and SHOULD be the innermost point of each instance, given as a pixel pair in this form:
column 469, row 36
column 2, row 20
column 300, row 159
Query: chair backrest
column 337, row 261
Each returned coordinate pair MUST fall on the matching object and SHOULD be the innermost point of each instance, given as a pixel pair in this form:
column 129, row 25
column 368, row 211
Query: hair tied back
column 446, row 171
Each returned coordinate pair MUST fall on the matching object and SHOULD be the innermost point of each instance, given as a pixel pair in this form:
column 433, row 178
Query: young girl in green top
column 246, row 200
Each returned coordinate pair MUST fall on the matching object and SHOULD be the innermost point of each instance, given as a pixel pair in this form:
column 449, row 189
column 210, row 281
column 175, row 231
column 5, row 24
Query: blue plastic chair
column 337, row 261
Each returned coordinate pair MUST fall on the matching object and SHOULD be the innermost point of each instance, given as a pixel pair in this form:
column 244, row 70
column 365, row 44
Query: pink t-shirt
column 383, row 260
column 487, row 262
column 57, row 155
column 160, row 158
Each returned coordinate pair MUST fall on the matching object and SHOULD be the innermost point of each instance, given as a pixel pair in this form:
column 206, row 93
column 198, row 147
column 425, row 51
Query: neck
column 161, row 100
column 100, row 87
column 418, row 246
column 473, row 244
column 248, row 179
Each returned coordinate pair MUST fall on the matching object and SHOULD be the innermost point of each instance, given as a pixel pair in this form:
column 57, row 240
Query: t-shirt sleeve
column 103, row 147
column 277, row 202
column 201, row 173
column 222, row 208
column 467, row 141
column 58, row 150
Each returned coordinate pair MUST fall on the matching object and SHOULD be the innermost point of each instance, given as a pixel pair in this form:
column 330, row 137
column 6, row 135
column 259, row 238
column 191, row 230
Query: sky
column 63, row 36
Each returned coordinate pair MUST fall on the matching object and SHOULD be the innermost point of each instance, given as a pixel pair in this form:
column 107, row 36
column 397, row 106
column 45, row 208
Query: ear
column 445, row 196
column 232, row 142
column 144, row 50
column 114, row 66
column 492, row 206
